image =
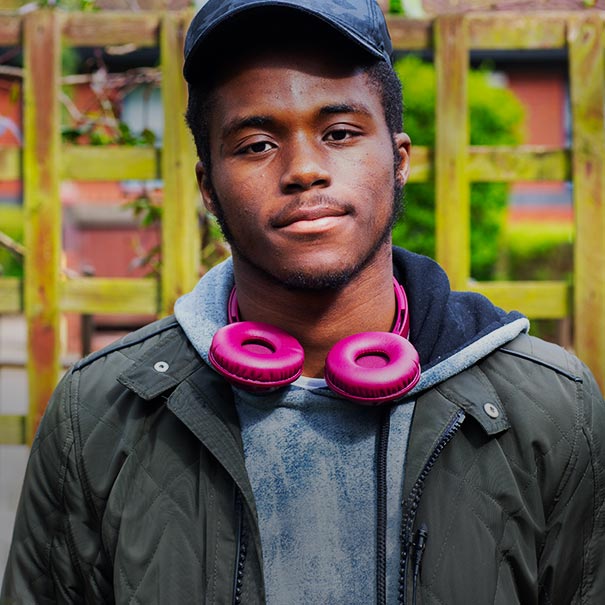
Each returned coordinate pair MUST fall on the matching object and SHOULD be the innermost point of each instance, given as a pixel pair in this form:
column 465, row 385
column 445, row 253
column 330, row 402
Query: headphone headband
column 402, row 317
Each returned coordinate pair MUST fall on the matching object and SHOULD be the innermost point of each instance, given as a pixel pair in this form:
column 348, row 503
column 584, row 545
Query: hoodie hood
column 450, row 330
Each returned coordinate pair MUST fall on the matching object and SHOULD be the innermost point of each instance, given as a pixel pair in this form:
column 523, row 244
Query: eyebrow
column 358, row 108
column 262, row 121
column 237, row 124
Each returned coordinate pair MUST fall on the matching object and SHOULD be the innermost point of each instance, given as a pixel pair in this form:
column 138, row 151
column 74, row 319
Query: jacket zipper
column 410, row 508
column 381, row 506
column 240, row 553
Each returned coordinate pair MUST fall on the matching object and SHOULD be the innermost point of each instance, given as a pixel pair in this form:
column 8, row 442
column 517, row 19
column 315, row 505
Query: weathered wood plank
column 421, row 165
column 42, row 206
column 586, row 37
column 410, row 34
column 110, row 295
column 501, row 164
column 452, row 191
column 522, row 163
column 537, row 300
column 13, row 430
column 10, row 295
column 110, row 163
column 180, row 226
column 10, row 163
column 517, row 30
column 10, row 30
column 111, row 28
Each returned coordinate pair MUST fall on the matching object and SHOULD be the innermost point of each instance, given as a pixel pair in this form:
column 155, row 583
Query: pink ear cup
column 256, row 355
column 372, row 367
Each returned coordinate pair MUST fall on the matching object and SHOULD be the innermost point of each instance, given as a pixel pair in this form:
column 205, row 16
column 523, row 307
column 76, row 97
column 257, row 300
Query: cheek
column 240, row 202
column 376, row 176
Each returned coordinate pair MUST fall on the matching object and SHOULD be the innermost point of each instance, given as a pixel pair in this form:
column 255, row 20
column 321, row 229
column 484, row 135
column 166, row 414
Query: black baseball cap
column 361, row 21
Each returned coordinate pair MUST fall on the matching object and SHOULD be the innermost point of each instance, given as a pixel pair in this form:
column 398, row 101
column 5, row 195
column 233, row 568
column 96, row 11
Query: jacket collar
column 472, row 391
column 469, row 391
column 169, row 360
column 166, row 361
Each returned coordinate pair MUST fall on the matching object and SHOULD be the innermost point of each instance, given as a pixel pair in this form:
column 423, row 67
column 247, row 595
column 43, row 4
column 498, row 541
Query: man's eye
column 258, row 147
column 340, row 134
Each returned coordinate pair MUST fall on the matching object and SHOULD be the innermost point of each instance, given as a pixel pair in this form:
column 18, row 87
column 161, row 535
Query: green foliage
column 496, row 116
column 538, row 250
column 395, row 7
column 148, row 212
column 98, row 133
column 11, row 223
column 70, row 5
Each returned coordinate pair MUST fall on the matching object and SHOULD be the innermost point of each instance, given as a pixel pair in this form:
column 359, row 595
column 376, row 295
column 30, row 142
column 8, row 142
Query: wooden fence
column 44, row 161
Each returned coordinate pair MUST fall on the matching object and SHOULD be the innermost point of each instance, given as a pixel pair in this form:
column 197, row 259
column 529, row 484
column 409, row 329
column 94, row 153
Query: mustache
column 300, row 203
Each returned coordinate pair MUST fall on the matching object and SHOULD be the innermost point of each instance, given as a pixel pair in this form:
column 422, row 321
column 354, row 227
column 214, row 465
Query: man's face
column 302, row 178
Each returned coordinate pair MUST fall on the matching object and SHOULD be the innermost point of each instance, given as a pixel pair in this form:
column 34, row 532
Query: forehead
column 295, row 80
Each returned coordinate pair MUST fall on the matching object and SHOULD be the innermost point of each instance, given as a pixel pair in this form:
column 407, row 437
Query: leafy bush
column 496, row 116
column 538, row 250
column 11, row 223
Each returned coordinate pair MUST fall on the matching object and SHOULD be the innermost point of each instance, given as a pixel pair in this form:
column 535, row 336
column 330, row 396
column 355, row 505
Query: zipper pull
column 418, row 547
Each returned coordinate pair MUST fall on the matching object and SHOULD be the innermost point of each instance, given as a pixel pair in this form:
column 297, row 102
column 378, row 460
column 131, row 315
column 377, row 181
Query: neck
column 319, row 319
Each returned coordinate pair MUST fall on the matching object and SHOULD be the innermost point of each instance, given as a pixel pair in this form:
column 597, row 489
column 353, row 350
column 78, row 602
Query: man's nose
column 304, row 167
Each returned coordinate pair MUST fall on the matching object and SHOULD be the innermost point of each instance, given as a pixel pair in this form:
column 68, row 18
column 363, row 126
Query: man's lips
column 308, row 212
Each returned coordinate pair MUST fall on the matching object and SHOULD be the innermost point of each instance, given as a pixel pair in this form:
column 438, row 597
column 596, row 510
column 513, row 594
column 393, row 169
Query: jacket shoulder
column 548, row 355
column 149, row 362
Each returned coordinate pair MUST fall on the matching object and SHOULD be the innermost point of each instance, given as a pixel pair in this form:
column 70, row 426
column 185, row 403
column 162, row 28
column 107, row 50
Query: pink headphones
column 370, row 368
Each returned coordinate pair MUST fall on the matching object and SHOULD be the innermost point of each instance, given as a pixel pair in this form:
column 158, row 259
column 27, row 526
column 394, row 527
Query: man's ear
column 404, row 146
column 205, row 186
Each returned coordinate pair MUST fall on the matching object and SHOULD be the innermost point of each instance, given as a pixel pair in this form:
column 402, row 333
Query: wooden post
column 42, row 50
column 452, row 194
column 180, row 231
column 586, row 38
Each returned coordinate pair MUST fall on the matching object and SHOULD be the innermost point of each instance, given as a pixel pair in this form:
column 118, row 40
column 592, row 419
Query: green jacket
column 137, row 491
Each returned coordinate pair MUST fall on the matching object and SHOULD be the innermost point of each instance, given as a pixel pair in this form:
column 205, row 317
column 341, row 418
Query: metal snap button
column 491, row 410
column 161, row 366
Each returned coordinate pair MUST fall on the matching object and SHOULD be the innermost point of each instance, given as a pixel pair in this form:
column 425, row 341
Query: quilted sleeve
column 41, row 565
column 593, row 589
column 572, row 561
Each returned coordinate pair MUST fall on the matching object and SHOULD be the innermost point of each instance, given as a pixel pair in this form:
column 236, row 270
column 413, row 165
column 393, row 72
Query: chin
column 316, row 283
column 317, row 278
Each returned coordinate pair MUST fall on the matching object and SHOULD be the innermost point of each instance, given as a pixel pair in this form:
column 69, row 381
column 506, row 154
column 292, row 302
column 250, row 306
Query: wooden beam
column 537, row 300
column 10, row 295
column 504, row 164
column 421, row 165
column 109, row 163
column 10, row 30
column 517, row 30
column 10, row 164
column 180, row 225
column 522, row 163
column 410, row 34
column 586, row 36
column 110, row 295
column 42, row 206
column 452, row 190
column 111, row 28
column 13, row 430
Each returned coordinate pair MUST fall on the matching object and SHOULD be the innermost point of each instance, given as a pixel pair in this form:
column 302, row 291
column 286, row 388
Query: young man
column 275, row 441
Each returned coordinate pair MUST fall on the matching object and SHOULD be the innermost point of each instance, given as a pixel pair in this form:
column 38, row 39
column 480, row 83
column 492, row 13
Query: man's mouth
column 318, row 215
